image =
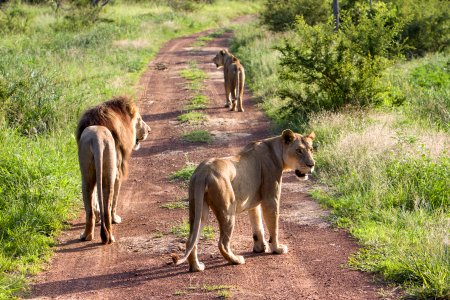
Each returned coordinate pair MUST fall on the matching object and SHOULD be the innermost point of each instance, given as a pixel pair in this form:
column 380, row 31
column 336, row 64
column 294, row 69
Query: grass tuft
column 198, row 136
column 197, row 102
column 192, row 117
column 175, row 205
column 182, row 231
column 184, row 174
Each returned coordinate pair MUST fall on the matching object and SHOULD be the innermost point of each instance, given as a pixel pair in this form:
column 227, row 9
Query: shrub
column 13, row 18
column 427, row 26
column 327, row 70
column 281, row 15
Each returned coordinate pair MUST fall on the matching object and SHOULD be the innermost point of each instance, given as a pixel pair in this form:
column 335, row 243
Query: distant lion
column 106, row 135
column 249, row 181
column 234, row 75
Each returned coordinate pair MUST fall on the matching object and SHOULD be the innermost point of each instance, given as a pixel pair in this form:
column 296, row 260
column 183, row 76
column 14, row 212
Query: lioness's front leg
column 270, row 211
column 258, row 230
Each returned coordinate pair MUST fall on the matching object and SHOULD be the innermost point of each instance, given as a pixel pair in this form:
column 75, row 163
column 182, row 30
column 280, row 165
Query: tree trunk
column 336, row 14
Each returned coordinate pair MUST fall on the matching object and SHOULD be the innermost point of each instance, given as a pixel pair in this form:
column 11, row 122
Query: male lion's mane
column 117, row 115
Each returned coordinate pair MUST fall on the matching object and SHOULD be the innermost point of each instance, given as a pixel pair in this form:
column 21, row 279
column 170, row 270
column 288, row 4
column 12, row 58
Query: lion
column 249, row 181
column 106, row 135
column 234, row 75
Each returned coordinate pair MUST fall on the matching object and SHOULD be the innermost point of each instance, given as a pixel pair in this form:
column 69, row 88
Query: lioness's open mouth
column 299, row 174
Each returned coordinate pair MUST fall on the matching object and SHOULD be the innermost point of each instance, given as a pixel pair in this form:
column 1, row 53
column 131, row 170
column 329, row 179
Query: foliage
column 427, row 26
column 328, row 70
column 281, row 15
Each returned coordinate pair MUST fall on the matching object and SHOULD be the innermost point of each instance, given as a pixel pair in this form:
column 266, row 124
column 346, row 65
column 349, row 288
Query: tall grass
column 51, row 69
column 387, row 171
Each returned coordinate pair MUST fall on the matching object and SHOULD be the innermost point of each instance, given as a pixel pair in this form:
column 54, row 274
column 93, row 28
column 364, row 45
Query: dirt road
column 138, row 265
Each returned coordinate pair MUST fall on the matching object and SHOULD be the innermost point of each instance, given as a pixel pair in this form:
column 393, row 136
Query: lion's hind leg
column 88, row 190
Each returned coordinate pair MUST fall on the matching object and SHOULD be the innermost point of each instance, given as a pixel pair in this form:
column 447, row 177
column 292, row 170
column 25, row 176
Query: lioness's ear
column 222, row 52
column 312, row 135
column 288, row 136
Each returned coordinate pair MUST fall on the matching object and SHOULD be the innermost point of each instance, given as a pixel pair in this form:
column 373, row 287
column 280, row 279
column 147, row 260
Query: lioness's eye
column 299, row 151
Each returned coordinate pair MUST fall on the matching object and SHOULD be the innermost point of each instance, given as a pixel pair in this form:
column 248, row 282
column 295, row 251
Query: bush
column 327, row 70
column 14, row 19
column 427, row 29
column 281, row 15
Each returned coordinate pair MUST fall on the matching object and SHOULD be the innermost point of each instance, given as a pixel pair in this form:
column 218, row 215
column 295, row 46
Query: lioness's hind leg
column 259, row 244
column 194, row 264
column 226, row 225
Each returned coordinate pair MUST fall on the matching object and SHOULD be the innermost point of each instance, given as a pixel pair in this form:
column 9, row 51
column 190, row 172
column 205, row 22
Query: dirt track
column 138, row 265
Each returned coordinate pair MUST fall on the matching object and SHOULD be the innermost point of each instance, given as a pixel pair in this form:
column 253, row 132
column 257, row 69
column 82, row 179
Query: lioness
column 234, row 76
column 249, row 181
column 106, row 135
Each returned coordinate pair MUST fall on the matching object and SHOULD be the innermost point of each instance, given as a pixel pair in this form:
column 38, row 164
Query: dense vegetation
column 54, row 63
column 382, row 126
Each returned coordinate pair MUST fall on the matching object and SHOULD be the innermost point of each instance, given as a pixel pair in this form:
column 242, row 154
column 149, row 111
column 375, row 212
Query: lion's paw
column 197, row 268
column 86, row 237
column 281, row 249
column 116, row 219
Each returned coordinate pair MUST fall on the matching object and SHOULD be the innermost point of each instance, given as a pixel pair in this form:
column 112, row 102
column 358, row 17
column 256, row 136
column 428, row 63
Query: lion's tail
column 198, row 200
column 104, row 234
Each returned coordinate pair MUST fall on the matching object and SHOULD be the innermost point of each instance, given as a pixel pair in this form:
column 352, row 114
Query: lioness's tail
column 240, row 78
column 199, row 193
column 104, row 234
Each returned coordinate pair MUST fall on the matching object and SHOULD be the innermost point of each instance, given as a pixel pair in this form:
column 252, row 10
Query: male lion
column 249, row 181
column 106, row 135
column 234, row 76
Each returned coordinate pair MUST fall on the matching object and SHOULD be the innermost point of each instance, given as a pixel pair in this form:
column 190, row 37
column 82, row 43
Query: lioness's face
column 142, row 131
column 218, row 59
column 298, row 154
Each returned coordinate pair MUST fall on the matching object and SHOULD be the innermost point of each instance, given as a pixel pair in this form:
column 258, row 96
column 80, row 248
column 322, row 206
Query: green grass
column 181, row 204
column 192, row 117
column 182, row 231
column 387, row 171
column 184, row 174
column 198, row 136
column 197, row 102
column 222, row 291
column 51, row 69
